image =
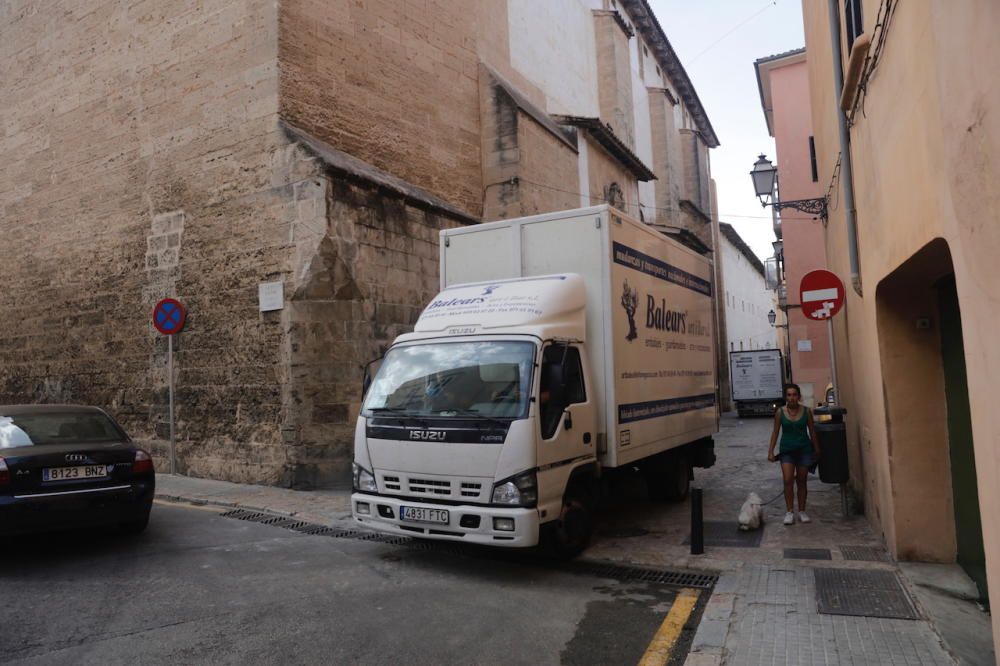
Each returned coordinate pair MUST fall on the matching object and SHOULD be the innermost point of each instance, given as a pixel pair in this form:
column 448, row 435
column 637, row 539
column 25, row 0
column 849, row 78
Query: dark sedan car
column 66, row 466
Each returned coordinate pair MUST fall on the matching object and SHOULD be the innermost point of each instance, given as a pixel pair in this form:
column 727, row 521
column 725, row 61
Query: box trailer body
column 757, row 378
column 618, row 322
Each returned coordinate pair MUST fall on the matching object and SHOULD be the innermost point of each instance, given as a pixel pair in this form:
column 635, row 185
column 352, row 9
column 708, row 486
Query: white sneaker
column 804, row 518
column 789, row 518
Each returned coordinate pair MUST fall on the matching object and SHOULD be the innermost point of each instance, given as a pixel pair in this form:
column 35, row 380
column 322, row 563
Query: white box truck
column 560, row 345
column 757, row 379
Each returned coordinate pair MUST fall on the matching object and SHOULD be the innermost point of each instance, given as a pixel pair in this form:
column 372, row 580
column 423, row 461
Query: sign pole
column 169, row 316
column 170, row 392
column 833, row 362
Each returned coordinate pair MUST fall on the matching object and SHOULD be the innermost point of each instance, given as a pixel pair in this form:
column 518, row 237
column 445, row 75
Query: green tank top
column 795, row 434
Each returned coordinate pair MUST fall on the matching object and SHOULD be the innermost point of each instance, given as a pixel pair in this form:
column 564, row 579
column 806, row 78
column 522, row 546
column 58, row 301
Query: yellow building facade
column 918, row 352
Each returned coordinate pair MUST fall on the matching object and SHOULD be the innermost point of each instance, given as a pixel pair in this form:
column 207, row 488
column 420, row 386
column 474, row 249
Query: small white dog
column 751, row 515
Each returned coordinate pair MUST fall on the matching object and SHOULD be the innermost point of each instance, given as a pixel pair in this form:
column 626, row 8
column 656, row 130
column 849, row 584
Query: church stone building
column 201, row 149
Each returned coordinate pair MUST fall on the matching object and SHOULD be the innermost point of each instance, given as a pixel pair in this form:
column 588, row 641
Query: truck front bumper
column 467, row 522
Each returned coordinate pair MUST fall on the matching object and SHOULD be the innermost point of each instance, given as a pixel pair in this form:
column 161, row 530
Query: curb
column 198, row 501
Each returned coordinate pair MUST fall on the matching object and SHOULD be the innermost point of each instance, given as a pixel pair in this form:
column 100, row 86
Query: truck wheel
column 568, row 536
column 680, row 479
column 669, row 477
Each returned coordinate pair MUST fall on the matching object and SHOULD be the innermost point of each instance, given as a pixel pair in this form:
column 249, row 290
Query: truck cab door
column 567, row 419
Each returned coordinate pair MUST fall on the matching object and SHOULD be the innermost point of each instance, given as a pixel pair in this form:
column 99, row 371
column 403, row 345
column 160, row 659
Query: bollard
column 697, row 525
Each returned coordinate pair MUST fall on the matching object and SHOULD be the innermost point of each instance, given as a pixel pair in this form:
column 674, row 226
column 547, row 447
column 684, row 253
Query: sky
column 717, row 42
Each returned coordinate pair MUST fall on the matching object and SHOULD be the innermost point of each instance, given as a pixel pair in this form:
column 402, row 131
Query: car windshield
column 57, row 428
column 466, row 379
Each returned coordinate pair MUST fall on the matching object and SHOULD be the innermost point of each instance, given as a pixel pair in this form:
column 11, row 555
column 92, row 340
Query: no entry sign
column 169, row 316
column 821, row 294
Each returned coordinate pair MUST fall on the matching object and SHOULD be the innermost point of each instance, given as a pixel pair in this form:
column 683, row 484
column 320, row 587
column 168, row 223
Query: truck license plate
column 418, row 515
column 80, row 472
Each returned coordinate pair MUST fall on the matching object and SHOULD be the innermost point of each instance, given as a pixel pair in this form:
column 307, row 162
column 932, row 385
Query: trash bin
column 832, row 433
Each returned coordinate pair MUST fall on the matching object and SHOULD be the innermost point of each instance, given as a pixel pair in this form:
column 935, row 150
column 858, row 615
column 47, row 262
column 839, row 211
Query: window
column 645, row 51
column 732, row 346
column 741, row 345
column 853, row 20
column 812, row 159
column 561, row 385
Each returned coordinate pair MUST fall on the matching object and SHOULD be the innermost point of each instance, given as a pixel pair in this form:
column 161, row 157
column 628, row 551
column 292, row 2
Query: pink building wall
column 804, row 237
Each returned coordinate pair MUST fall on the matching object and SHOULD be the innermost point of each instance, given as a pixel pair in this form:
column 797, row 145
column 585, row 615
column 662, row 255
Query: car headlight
column 363, row 479
column 522, row 490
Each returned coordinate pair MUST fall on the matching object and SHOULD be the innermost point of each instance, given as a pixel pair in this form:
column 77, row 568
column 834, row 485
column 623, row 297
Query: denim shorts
column 800, row 458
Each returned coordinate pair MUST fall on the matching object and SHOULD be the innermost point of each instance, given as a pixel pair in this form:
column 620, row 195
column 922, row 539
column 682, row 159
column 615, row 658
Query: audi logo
column 75, row 457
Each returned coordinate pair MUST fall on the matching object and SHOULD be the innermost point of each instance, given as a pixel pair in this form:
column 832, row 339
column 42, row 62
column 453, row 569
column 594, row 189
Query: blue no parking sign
column 169, row 316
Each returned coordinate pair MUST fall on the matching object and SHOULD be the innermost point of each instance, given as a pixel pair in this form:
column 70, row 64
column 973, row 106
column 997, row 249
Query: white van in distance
column 560, row 345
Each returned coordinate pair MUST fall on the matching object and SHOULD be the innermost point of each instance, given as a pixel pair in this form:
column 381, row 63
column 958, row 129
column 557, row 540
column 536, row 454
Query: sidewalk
column 764, row 608
column 325, row 507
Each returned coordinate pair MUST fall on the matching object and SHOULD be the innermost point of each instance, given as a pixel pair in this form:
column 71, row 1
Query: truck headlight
column 521, row 490
column 363, row 479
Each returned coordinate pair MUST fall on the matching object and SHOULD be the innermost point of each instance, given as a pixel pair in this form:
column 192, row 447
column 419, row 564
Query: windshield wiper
column 398, row 411
column 479, row 415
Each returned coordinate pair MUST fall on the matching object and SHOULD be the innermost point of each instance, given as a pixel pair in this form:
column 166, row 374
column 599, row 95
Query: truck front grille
column 430, row 487
column 469, row 489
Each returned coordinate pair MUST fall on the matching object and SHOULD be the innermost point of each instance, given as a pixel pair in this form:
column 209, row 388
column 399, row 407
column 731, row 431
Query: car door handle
column 586, row 438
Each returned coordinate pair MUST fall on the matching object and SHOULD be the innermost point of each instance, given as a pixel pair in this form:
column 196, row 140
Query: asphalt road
column 200, row 588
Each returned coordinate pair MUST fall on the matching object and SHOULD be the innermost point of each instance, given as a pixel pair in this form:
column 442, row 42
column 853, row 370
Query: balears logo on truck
column 662, row 319
column 630, row 301
column 475, row 300
column 657, row 315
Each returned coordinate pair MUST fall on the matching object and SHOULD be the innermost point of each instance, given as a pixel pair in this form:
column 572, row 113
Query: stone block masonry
column 143, row 158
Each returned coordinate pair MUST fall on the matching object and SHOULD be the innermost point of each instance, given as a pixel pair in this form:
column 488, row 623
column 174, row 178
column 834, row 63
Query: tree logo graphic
column 630, row 300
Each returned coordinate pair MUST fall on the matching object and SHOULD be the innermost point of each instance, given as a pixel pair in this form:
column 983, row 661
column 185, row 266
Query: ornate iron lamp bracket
column 814, row 207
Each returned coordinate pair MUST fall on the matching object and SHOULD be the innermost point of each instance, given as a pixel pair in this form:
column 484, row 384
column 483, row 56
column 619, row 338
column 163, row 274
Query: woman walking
column 798, row 451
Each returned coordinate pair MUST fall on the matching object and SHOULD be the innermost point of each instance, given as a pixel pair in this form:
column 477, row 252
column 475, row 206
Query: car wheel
column 135, row 526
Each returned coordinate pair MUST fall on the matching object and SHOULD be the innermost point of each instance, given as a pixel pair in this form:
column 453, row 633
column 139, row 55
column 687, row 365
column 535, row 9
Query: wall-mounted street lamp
column 765, row 185
column 772, row 317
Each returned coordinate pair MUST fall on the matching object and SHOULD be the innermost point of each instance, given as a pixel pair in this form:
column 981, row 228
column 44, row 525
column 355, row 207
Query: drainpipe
column 846, row 170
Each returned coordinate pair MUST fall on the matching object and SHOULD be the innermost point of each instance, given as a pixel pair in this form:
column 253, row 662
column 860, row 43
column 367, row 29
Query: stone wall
column 392, row 83
column 371, row 274
column 138, row 159
column 614, row 74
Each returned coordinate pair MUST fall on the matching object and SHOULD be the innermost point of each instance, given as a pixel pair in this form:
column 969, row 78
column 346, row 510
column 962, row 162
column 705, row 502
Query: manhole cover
column 725, row 534
column 863, row 594
column 624, row 532
column 807, row 554
column 864, row 553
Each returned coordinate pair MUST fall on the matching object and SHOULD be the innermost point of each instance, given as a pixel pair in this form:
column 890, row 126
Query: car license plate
column 81, row 472
column 418, row 515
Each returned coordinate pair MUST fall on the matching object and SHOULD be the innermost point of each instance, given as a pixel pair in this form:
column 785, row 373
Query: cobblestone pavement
column 763, row 610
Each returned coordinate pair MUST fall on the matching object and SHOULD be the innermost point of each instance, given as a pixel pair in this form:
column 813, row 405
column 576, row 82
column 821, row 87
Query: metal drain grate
column 599, row 569
column 661, row 576
column 864, row 553
column 807, row 554
column 862, row 593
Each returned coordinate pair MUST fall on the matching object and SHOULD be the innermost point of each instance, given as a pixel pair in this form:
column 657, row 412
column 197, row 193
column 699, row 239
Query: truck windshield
column 489, row 379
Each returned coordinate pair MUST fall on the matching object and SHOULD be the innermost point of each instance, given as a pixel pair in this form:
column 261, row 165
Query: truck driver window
column 561, row 386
